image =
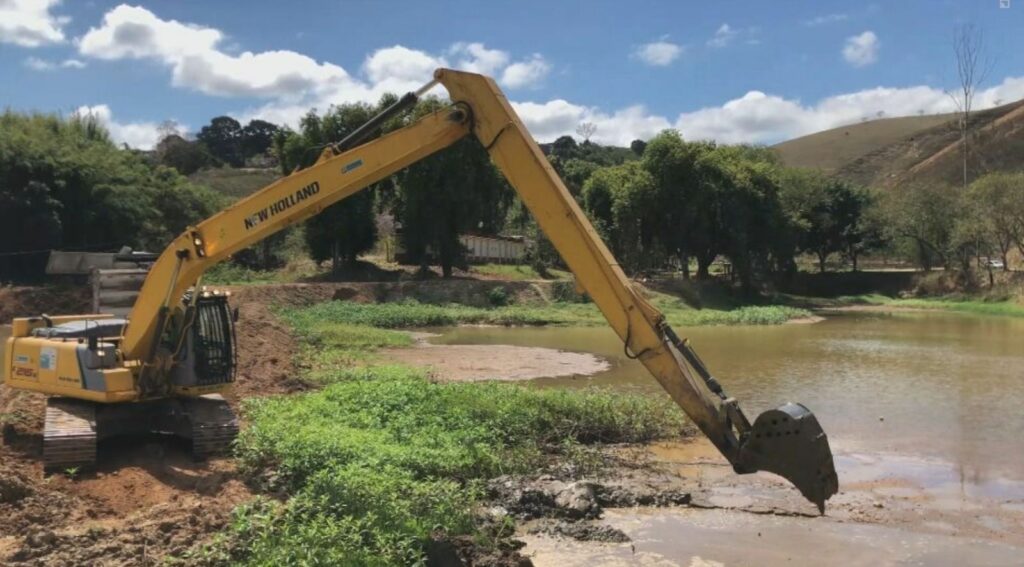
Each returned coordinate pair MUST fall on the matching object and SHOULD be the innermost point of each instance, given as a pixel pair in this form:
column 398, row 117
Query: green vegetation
column 382, row 460
column 411, row 314
column 65, row 185
column 517, row 272
column 1002, row 308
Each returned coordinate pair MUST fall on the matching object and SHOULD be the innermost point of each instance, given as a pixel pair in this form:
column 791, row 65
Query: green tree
column 185, row 156
column 89, row 194
column 256, row 138
column 455, row 190
column 223, row 138
column 919, row 217
column 998, row 201
column 622, row 202
column 346, row 229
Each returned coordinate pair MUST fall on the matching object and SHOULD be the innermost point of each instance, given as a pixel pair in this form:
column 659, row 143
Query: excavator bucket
column 789, row 442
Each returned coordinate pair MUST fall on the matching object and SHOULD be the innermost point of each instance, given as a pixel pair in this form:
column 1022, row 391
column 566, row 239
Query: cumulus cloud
column 191, row 51
column 525, row 74
column 826, row 19
column 29, row 23
column 138, row 135
column 476, row 58
column 659, row 53
column 37, row 64
column 861, row 50
column 724, row 35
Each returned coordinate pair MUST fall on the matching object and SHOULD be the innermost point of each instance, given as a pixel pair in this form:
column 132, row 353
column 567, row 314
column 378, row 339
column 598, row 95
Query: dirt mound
column 146, row 501
column 52, row 300
column 265, row 353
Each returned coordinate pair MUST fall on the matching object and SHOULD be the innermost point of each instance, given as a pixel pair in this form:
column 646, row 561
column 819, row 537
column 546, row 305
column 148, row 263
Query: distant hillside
column 890, row 151
column 235, row 183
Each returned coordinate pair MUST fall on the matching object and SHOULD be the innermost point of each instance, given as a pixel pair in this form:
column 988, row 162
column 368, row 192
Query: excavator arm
column 787, row 441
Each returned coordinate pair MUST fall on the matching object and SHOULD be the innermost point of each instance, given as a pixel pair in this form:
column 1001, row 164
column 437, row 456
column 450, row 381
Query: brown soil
column 148, row 499
column 472, row 363
column 24, row 301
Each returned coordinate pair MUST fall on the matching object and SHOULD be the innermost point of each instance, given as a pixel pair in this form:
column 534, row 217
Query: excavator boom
column 787, row 441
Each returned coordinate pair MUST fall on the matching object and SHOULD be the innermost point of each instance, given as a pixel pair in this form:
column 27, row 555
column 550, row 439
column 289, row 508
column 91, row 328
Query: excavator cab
column 208, row 353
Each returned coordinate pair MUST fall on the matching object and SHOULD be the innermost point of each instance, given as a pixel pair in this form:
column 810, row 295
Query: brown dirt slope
column 920, row 149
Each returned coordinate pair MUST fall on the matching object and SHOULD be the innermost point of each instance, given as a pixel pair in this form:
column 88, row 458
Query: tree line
column 663, row 203
column 65, row 185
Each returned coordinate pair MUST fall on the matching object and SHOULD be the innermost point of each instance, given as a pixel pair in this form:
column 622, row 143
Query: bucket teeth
column 789, row 442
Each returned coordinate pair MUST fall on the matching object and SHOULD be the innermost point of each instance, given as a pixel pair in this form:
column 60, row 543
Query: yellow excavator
column 163, row 368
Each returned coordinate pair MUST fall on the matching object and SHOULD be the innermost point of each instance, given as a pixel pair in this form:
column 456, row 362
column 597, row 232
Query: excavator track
column 213, row 425
column 73, row 427
column 69, row 435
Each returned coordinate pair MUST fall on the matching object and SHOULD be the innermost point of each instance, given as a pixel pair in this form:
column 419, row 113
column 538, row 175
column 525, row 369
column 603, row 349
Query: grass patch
column 410, row 314
column 517, row 272
column 382, row 459
column 1000, row 308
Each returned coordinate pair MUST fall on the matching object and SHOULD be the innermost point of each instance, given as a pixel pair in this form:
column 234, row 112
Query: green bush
column 498, row 297
column 381, row 459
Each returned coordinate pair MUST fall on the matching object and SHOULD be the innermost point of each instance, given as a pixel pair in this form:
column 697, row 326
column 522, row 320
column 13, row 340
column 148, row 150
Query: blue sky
column 748, row 71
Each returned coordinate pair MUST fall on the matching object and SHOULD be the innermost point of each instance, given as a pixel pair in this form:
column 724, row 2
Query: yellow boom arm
column 787, row 441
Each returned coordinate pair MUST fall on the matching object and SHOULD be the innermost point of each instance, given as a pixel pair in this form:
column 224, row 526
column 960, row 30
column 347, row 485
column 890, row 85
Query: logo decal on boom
column 261, row 216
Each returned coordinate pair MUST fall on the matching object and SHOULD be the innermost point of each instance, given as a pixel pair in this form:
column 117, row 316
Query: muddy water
column 938, row 385
column 924, row 412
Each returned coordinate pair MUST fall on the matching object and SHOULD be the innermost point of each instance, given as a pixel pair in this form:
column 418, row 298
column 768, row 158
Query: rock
column 578, row 500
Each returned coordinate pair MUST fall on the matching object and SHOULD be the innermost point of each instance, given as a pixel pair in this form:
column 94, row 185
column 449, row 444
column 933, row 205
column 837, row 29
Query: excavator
column 165, row 367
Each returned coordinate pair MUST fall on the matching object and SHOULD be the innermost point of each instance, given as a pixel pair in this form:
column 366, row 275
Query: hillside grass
column 235, row 183
column 831, row 149
column 382, row 462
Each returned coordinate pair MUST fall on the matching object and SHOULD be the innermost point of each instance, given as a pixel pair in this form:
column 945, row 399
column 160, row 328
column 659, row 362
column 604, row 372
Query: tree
column 586, row 130
column 971, row 69
column 828, row 215
column 622, row 202
column 919, row 216
column 564, row 147
column 185, row 156
column 223, row 138
column 348, row 228
column 638, row 147
column 997, row 201
column 441, row 196
column 257, row 137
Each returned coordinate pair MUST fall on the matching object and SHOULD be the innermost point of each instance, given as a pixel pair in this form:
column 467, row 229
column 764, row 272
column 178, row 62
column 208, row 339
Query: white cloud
column 826, row 19
column 659, row 53
column 37, row 64
column 129, row 32
column 723, row 36
column 861, row 50
column 29, row 23
column 476, row 58
column 524, row 74
column 138, row 135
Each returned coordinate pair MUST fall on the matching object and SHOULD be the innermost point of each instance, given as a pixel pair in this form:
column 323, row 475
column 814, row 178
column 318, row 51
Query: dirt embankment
column 24, row 301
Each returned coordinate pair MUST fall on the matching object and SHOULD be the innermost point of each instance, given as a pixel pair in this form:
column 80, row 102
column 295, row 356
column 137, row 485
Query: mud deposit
column 469, row 363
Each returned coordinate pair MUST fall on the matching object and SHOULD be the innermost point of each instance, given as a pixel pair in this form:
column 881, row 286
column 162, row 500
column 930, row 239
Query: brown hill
column 892, row 151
